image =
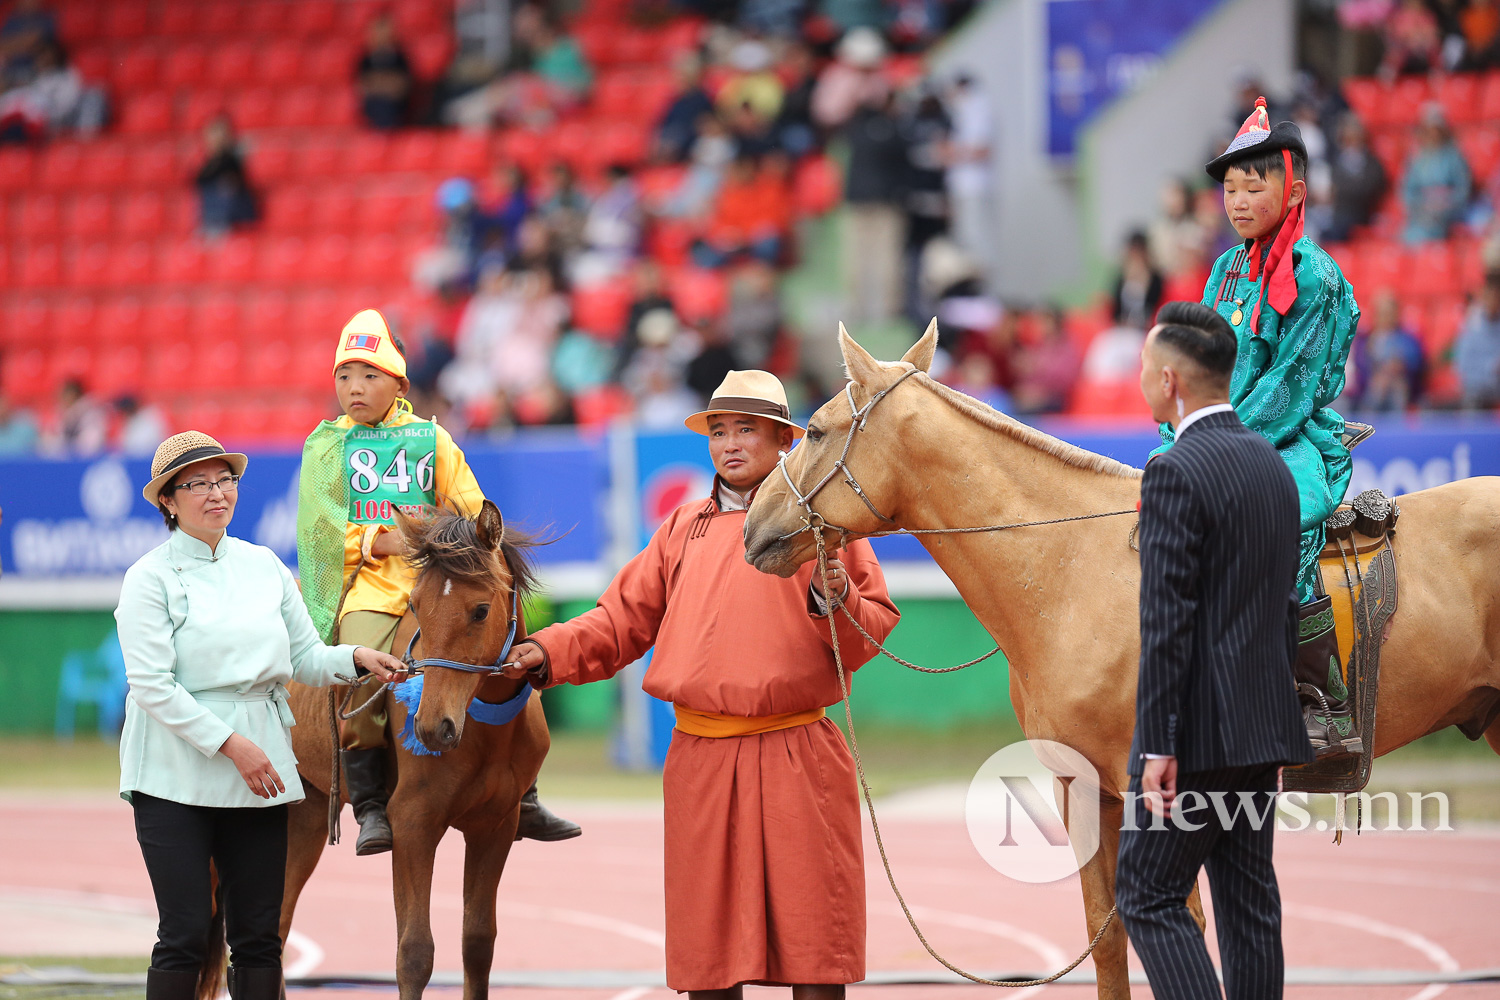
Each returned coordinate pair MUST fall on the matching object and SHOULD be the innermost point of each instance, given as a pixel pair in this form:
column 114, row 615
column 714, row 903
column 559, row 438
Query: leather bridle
column 417, row 666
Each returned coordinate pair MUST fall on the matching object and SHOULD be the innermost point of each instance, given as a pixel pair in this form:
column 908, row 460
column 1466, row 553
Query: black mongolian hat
column 1257, row 137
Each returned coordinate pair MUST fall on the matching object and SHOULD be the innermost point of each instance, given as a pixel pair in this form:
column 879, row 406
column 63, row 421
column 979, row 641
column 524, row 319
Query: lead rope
column 336, row 775
column 864, row 784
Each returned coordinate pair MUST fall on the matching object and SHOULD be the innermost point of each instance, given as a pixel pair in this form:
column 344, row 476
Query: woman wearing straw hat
column 212, row 628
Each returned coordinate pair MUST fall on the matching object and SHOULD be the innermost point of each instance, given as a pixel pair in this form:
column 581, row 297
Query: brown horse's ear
column 490, row 525
column 863, row 369
column 406, row 525
column 920, row 354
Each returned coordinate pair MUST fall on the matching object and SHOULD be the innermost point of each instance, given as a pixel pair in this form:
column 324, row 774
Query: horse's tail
column 211, row 974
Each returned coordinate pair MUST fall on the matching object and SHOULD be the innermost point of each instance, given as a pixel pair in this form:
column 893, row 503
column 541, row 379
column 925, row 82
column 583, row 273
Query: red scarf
column 1279, row 281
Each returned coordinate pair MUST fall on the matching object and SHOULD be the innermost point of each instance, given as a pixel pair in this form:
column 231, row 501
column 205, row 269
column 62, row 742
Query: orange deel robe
column 764, row 861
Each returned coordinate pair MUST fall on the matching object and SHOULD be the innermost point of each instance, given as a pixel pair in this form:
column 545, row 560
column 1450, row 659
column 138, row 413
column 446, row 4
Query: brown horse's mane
column 447, row 542
column 1029, row 436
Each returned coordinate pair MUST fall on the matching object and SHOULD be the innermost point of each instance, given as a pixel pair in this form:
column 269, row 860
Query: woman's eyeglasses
column 202, row 488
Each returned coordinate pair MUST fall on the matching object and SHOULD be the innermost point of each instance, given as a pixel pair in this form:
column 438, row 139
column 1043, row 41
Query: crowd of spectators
column 41, row 95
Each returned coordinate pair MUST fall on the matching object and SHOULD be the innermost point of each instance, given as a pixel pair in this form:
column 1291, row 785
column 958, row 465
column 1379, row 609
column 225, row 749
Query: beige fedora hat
column 754, row 393
column 182, row 450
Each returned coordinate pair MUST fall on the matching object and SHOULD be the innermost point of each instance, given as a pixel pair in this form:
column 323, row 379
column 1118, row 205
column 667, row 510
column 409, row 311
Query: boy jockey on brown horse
column 386, row 458
column 1294, row 315
column 764, row 862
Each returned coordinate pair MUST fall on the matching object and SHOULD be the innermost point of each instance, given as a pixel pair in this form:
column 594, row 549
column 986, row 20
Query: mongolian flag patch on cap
column 367, row 338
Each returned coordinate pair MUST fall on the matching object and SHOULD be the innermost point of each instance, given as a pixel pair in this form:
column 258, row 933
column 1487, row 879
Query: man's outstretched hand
column 523, row 660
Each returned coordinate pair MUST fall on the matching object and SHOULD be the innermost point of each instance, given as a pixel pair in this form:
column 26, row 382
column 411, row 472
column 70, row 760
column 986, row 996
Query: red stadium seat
column 1489, row 97
column 80, row 22
column 200, row 106
column 267, row 316
column 158, row 166
column 623, row 142
column 27, row 322
column 303, row 107
column 287, row 209
column 312, row 18
column 166, row 317
column 636, row 46
column 698, row 294
column 267, row 363
column 68, row 363
column 15, row 169
column 75, row 321
column 378, row 259
column 328, row 260
column 233, row 64
column 281, row 63
column 657, row 184
column 670, row 239
column 61, row 165
column 615, row 94
column 464, row 153
column 1382, row 265
column 1390, row 148
column 430, row 54
column 169, row 365
column 253, row 108
column 598, row 407
column 414, row 152
column 104, row 166
column 138, row 68
column 117, row 371
column 575, row 143
column 92, row 266
column 147, row 113
column 1115, row 398
column 186, row 65
column 603, row 308
column 93, row 63
column 335, row 210
column 23, row 376
column 266, row 20
column 383, row 211
column 131, row 266
column 271, row 161
column 526, row 148
column 1459, row 94
column 207, row 413
column 215, row 317
column 321, row 157
column 331, row 61
column 1445, row 317
column 178, row 20
column 1432, row 271
column 90, row 217
column 817, row 186
column 1481, row 148
column 232, row 261
column 125, row 19
column 222, row 19
column 281, row 261
column 414, row 17
column 121, row 320
column 40, row 218
column 183, row 263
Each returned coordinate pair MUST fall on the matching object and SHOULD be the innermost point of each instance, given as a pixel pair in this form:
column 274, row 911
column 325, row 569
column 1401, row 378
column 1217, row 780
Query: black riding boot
column 539, row 823
column 263, row 983
column 1320, row 682
column 364, row 771
column 163, row 985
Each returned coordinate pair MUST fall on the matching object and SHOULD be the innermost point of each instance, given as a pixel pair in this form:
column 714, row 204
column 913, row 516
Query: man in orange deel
column 356, row 471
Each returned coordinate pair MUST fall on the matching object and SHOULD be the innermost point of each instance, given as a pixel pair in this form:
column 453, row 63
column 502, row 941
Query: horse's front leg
column 416, row 838
column 486, row 847
column 1098, row 879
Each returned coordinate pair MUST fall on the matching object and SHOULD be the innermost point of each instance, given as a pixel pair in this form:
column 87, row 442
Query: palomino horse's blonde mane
column 988, row 416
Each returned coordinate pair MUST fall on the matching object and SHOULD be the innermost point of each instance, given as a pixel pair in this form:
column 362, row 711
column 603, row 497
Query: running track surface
column 72, row 882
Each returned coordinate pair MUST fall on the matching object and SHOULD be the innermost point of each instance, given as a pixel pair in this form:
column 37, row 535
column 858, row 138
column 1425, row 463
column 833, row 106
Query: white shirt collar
column 1199, row 414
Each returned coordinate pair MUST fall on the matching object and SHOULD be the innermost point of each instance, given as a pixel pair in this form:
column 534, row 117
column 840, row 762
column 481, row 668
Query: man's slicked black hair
column 1271, row 162
column 1199, row 334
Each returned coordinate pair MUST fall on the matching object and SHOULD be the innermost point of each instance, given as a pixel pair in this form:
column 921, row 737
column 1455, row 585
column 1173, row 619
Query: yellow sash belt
column 716, row 726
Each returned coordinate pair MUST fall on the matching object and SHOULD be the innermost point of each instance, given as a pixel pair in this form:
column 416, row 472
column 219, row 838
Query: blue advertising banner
column 87, row 518
column 1098, row 50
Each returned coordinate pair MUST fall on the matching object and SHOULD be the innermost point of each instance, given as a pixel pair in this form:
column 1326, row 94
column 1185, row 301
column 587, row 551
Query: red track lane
column 1382, row 900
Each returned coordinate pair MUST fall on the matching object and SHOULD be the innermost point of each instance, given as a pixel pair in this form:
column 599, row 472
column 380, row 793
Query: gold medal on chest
column 1236, row 316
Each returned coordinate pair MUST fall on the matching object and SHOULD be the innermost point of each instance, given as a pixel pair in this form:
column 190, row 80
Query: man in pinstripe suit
column 1216, row 706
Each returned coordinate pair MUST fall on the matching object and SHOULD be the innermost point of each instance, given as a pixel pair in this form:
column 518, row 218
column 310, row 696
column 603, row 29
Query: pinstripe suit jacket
column 1218, row 538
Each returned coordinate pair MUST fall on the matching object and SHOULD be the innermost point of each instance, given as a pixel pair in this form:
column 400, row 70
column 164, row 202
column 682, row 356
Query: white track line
column 582, row 918
column 634, row 993
column 1052, row 956
column 1435, row 952
column 309, row 955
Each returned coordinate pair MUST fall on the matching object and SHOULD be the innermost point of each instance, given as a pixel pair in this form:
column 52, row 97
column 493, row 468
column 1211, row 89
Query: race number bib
column 389, row 468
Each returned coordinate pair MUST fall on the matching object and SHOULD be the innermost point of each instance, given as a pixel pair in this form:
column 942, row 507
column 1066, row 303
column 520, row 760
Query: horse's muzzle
column 769, row 552
column 442, row 737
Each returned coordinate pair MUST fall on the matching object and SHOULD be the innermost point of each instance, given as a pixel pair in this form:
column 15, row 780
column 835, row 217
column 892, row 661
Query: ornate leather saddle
column 1359, row 574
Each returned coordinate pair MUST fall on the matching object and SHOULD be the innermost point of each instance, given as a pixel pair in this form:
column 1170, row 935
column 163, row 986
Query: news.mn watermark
column 1033, row 811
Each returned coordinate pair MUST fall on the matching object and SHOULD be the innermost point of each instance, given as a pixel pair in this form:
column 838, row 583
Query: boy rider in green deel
column 1294, row 315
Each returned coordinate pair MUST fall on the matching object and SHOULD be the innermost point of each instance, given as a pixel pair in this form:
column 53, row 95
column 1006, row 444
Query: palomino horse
column 1062, row 599
column 470, row 573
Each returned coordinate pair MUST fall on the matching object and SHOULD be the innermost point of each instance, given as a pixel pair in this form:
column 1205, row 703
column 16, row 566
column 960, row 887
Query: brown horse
column 1062, row 599
column 469, row 572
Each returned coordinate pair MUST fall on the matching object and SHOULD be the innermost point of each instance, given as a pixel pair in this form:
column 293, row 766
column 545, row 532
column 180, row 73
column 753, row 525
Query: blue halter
column 417, row 666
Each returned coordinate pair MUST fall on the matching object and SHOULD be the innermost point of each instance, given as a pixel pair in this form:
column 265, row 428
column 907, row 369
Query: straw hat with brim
column 753, row 393
column 181, row 450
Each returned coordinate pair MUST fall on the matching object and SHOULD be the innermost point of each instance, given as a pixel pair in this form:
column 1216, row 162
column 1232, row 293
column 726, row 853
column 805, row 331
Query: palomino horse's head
column 469, row 574
column 776, row 536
